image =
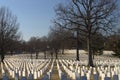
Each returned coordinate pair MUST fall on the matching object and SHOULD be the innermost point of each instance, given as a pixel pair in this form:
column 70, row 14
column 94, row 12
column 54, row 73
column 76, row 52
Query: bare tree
column 63, row 36
column 86, row 17
column 54, row 42
column 97, row 42
column 113, row 43
column 34, row 45
column 14, row 46
column 8, row 29
column 44, row 46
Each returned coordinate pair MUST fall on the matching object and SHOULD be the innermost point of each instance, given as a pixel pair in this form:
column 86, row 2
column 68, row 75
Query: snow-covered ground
column 108, row 53
column 73, row 51
column 68, row 53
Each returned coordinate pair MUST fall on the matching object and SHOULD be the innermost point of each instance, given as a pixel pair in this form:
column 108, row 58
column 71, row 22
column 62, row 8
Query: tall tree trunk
column 63, row 50
column 11, row 52
column 56, row 54
column 77, row 51
column 31, row 56
column 44, row 54
column 93, row 54
column 90, row 58
column 2, row 55
column 36, row 55
column 2, row 47
column 51, row 54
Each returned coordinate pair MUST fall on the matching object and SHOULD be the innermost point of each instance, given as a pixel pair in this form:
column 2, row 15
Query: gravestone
column 96, row 77
column 19, row 72
column 107, row 78
column 115, row 77
column 88, row 75
column 23, row 78
column 31, row 76
column 108, row 74
column 49, row 74
column 35, row 74
column 77, row 76
column 82, row 73
column 38, row 73
column 83, row 78
column 16, row 76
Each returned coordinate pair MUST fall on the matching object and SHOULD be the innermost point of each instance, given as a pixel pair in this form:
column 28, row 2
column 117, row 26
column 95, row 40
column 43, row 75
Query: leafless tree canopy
column 87, row 17
column 8, row 23
column 8, row 28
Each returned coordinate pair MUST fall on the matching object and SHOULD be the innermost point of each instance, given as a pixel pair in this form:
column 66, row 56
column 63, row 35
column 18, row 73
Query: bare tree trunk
column 36, row 55
column 63, row 50
column 93, row 54
column 2, row 55
column 31, row 55
column 77, row 51
column 51, row 52
column 11, row 52
column 44, row 54
column 56, row 54
column 90, row 59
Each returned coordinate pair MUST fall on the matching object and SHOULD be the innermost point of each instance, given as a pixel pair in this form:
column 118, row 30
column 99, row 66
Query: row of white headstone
column 23, row 68
column 102, row 71
column 105, row 67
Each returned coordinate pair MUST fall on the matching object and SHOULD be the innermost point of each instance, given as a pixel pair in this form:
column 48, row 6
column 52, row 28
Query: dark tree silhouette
column 86, row 18
column 34, row 45
column 113, row 43
column 8, row 29
column 44, row 46
column 54, row 42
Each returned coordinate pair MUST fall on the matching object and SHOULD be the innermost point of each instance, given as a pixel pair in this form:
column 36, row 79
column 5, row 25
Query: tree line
column 78, row 24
